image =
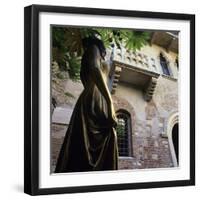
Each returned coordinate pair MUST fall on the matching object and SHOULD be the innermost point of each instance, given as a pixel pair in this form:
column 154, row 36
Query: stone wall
column 149, row 123
column 57, row 136
column 149, row 120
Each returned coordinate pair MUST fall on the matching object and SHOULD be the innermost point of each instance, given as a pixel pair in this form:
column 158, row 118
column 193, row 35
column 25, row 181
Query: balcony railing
column 135, row 59
column 134, row 68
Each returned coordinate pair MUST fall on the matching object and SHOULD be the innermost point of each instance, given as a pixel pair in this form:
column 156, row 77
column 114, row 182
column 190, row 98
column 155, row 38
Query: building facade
column 144, row 88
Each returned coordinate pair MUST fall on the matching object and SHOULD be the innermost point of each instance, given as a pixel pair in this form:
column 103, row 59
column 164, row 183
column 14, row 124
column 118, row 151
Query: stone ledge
column 163, row 135
column 169, row 77
column 126, row 158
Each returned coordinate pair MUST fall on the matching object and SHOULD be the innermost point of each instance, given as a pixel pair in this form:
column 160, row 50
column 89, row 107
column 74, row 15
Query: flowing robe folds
column 90, row 142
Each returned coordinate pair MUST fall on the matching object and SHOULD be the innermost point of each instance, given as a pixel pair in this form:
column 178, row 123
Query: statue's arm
column 99, row 78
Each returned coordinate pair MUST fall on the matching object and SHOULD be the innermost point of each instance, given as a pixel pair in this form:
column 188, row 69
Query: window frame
column 165, row 62
column 129, row 133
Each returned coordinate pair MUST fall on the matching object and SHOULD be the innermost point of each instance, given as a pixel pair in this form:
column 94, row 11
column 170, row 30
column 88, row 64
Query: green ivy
column 67, row 46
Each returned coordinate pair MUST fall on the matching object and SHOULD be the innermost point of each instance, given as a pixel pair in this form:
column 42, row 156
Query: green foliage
column 73, row 64
column 135, row 39
column 106, row 36
column 67, row 44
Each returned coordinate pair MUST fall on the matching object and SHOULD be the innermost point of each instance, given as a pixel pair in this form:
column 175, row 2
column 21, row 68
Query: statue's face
column 103, row 54
column 102, row 50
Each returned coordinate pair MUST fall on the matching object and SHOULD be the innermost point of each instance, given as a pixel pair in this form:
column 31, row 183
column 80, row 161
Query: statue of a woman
column 90, row 142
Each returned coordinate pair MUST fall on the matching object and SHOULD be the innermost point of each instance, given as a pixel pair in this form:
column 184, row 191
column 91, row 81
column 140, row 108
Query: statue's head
column 89, row 41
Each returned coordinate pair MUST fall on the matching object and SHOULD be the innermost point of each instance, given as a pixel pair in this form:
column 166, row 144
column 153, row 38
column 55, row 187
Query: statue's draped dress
column 90, row 142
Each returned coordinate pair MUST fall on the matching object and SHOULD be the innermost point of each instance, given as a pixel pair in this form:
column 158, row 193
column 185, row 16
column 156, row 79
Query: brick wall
column 149, row 150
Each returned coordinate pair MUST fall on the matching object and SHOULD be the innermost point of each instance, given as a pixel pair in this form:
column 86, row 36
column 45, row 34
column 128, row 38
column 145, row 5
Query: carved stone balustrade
column 134, row 68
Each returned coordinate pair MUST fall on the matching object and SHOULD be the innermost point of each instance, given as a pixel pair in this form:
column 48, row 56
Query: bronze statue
column 90, row 142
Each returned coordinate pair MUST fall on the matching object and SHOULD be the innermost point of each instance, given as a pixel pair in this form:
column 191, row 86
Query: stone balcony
column 136, row 69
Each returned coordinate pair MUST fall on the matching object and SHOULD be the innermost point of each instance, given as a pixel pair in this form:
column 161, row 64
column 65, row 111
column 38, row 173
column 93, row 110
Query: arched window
column 164, row 65
column 177, row 64
column 175, row 141
column 124, row 134
column 173, row 137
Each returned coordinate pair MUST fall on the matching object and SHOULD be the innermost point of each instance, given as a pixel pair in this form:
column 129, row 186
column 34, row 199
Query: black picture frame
column 31, row 98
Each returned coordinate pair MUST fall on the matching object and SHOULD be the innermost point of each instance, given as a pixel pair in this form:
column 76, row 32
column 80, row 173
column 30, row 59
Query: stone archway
column 175, row 140
column 172, row 121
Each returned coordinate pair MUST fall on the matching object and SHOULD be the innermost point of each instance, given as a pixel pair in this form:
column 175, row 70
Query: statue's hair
column 89, row 41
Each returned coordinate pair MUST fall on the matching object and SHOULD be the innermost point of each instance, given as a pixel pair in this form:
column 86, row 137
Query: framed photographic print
column 109, row 99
